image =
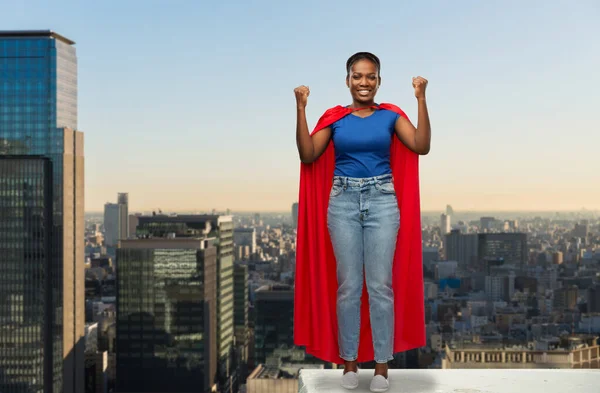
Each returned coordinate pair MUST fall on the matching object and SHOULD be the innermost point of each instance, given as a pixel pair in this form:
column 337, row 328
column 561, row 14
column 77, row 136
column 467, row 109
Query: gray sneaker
column 379, row 383
column 350, row 380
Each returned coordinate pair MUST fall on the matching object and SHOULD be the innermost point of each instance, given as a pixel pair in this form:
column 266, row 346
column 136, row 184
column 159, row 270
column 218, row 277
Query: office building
column 566, row 298
column 116, row 220
column 487, row 224
column 295, row 214
column 583, row 356
column 274, row 324
column 241, row 318
column 511, row 247
column 593, row 299
column 42, row 226
column 241, row 302
column 96, row 372
column 245, row 238
column 462, row 248
column 206, row 226
column 166, row 315
column 445, row 225
column 123, row 200
column 111, row 224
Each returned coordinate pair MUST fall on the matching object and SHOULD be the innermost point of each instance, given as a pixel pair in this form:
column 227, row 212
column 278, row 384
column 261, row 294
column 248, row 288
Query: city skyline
column 162, row 111
column 110, row 300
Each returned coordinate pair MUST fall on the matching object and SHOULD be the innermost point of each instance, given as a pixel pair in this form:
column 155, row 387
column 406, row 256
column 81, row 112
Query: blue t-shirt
column 362, row 144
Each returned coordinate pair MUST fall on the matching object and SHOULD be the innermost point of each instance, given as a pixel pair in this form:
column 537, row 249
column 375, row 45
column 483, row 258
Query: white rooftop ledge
column 460, row 381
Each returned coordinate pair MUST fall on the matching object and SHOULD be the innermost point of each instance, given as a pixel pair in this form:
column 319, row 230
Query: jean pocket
column 386, row 188
column 336, row 190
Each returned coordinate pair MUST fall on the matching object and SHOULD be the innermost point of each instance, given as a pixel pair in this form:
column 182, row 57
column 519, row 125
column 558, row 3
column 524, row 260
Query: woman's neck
column 355, row 104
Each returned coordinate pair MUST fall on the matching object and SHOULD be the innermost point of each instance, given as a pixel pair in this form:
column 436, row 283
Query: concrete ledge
column 460, row 381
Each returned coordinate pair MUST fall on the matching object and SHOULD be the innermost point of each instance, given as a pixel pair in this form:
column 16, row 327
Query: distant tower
column 444, row 224
column 295, row 214
column 116, row 220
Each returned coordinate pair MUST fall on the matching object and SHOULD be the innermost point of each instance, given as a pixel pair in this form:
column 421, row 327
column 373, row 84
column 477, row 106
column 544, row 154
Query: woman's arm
column 309, row 147
column 416, row 139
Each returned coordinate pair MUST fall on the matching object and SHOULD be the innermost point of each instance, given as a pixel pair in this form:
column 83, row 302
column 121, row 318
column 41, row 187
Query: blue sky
column 189, row 104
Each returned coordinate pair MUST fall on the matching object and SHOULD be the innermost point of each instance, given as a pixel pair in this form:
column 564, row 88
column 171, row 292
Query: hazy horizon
column 190, row 106
column 423, row 211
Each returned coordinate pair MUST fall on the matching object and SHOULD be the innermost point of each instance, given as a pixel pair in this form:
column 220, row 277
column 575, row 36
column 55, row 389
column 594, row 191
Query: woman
column 363, row 222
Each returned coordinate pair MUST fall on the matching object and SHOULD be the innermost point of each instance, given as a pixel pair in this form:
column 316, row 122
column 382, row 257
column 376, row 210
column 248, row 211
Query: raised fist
column 302, row 93
column 419, row 84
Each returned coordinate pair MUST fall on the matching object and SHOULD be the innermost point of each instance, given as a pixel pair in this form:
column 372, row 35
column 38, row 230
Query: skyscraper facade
column 116, row 220
column 274, row 319
column 445, row 225
column 123, row 201
column 38, row 123
column 25, row 236
column 512, row 247
column 112, row 214
column 462, row 248
column 220, row 227
column 166, row 315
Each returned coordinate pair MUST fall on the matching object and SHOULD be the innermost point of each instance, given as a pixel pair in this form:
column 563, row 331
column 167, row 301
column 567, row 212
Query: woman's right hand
column 302, row 93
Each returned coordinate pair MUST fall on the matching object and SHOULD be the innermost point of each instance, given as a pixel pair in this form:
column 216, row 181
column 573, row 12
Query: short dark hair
column 362, row 56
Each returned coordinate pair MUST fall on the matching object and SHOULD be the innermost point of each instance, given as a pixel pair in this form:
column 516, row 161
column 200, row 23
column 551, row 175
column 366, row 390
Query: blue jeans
column 363, row 221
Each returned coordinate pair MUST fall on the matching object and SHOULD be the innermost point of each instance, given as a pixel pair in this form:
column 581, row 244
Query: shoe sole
column 380, row 390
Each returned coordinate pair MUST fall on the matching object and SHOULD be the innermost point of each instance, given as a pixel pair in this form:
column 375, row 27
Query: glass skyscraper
column 25, row 233
column 166, row 315
column 274, row 323
column 221, row 228
column 38, row 118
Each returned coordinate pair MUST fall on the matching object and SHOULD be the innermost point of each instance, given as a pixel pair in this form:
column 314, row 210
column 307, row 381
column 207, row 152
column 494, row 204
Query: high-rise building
column 123, row 201
column 593, row 299
column 133, row 223
column 512, row 247
column 220, row 227
column 274, row 324
column 42, row 226
column 116, row 220
column 96, row 372
column 166, row 315
column 445, row 224
column 111, row 224
column 241, row 302
column 245, row 237
column 566, row 298
column 500, row 287
column 581, row 231
column 462, row 248
column 295, row 214
column 241, row 318
column 487, row 223
column 430, row 254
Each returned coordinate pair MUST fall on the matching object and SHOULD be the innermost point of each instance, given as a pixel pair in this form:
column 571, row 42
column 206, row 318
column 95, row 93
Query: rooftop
column 174, row 217
column 460, row 381
column 35, row 33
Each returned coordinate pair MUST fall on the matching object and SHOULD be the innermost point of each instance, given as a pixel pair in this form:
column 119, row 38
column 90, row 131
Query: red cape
column 315, row 320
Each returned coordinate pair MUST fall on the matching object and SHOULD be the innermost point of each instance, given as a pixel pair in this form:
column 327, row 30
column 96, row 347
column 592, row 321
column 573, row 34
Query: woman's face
column 363, row 81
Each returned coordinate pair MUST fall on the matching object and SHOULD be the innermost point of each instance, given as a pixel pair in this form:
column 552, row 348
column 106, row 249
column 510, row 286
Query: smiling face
column 363, row 80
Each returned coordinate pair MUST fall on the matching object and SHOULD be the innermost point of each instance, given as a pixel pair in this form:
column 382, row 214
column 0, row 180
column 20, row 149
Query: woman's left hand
column 419, row 84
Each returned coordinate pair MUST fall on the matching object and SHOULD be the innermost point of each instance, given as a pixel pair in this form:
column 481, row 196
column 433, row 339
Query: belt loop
column 345, row 183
